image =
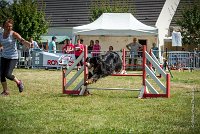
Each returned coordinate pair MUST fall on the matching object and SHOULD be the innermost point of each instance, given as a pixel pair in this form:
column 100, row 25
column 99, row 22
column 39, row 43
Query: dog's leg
column 93, row 79
column 123, row 72
column 90, row 81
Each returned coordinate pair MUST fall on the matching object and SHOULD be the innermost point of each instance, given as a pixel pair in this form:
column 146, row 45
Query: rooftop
column 70, row 13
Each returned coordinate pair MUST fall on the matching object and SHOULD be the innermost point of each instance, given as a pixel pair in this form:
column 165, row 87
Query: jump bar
column 127, row 75
column 127, row 89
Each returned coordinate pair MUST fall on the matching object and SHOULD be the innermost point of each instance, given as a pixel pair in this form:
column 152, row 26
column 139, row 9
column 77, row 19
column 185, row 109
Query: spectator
column 155, row 50
column 47, row 45
column 81, row 41
column 52, row 45
column 90, row 47
column 68, row 48
column 134, row 47
column 183, row 49
column 8, row 39
column 34, row 44
column 79, row 48
column 96, row 49
column 110, row 48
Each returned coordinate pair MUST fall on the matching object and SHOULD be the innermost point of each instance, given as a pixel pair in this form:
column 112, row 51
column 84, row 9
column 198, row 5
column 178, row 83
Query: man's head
column 134, row 40
column 67, row 41
column 154, row 44
column 54, row 38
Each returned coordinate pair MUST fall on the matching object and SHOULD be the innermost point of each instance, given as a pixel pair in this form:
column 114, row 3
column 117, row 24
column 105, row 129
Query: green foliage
column 99, row 7
column 190, row 24
column 4, row 10
column 29, row 19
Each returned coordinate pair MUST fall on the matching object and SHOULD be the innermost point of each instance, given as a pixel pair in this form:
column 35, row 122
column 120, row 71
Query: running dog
column 103, row 66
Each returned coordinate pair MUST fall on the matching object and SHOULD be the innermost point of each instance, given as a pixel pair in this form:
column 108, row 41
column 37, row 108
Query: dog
column 103, row 66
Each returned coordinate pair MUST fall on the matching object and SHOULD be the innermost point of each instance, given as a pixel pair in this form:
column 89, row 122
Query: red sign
column 52, row 62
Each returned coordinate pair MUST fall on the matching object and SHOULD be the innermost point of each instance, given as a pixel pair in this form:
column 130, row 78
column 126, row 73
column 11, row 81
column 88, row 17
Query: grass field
column 42, row 108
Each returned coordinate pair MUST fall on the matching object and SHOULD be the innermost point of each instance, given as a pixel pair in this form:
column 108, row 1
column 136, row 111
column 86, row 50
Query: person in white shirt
column 34, row 44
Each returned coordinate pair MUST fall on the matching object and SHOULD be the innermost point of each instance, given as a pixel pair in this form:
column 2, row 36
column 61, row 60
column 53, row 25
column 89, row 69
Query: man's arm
column 139, row 45
column 128, row 46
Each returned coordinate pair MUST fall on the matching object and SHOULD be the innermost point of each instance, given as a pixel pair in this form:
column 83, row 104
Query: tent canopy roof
column 115, row 24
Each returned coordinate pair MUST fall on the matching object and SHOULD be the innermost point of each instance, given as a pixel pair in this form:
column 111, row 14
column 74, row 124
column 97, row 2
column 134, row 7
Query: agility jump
column 147, row 90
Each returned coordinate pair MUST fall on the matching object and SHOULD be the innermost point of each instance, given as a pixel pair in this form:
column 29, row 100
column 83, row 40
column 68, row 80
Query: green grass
column 42, row 108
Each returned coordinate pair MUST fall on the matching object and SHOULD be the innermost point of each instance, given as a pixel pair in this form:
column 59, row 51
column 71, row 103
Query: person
column 52, row 45
column 183, row 49
column 46, row 45
column 8, row 40
column 81, row 41
column 34, row 44
column 78, row 49
column 90, row 47
column 134, row 47
column 96, row 49
column 155, row 50
column 110, row 48
column 68, row 48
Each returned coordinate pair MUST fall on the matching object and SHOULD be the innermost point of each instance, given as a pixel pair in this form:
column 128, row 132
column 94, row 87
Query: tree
column 190, row 24
column 4, row 10
column 106, row 6
column 29, row 19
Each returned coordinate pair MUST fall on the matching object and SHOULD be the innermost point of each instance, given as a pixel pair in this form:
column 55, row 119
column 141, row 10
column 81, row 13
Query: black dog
column 103, row 66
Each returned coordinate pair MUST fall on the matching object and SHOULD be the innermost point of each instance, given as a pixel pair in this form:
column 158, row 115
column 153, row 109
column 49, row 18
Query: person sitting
column 110, row 48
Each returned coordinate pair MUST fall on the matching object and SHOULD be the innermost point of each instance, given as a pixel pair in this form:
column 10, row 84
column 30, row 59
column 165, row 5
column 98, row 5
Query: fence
column 42, row 59
column 183, row 59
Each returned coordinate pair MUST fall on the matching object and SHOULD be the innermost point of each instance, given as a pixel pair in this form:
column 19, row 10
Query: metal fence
column 183, row 59
column 42, row 59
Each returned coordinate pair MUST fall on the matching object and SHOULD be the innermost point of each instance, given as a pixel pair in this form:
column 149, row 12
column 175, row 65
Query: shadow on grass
column 99, row 95
column 196, row 91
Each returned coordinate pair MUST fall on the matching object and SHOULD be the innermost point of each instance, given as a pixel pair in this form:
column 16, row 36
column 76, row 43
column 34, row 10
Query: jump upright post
column 80, row 87
column 147, row 90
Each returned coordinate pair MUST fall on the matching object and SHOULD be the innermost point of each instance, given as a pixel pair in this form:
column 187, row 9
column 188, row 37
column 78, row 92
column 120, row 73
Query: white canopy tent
column 116, row 24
